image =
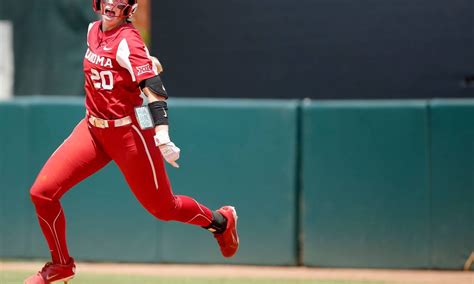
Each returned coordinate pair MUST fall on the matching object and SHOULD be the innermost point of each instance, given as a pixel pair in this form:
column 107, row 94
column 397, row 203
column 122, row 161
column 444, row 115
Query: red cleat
column 229, row 239
column 52, row 272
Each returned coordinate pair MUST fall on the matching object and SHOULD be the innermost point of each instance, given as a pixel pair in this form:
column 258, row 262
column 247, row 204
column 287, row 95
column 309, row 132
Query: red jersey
column 115, row 63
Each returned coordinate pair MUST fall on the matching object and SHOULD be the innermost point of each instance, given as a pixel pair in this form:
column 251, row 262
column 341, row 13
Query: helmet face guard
column 127, row 7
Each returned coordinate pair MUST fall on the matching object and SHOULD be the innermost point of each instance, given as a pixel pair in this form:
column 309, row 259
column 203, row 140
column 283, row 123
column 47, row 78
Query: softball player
column 120, row 126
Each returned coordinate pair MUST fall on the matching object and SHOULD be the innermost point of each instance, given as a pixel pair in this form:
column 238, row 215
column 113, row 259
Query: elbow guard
column 155, row 85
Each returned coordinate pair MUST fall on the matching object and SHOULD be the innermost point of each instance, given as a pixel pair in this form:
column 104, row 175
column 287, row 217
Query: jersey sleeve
column 88, row 31
column 133, row 55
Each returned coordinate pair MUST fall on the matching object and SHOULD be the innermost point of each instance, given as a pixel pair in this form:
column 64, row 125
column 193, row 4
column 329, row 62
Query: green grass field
column 15, row 277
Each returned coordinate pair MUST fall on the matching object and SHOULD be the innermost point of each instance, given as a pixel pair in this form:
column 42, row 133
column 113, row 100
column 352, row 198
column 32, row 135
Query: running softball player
column 119, row 126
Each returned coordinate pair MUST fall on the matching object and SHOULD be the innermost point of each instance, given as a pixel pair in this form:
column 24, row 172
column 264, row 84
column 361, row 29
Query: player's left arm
column 154, row 90
column 144, row 69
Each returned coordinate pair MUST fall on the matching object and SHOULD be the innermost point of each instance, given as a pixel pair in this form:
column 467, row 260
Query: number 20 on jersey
column 103, row 79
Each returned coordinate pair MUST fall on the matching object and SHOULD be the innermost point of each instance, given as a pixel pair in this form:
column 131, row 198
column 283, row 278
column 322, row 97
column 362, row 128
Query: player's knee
column 41, row 194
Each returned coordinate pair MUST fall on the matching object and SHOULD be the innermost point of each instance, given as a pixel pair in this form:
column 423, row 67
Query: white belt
column 103, row 123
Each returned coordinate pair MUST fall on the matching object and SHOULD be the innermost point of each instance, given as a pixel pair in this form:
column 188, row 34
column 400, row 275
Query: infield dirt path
column 238, row 271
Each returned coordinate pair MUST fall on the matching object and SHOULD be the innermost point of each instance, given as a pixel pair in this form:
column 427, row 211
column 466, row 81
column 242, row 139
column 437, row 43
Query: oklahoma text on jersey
column 97, row 59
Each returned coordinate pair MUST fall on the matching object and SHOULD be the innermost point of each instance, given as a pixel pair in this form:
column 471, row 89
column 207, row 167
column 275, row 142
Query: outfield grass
column 15, row 277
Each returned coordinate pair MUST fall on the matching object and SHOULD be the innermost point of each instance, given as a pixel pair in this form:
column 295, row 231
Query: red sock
column 53, row 224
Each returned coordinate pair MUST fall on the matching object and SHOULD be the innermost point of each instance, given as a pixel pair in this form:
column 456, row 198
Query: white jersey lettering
column 98, row 60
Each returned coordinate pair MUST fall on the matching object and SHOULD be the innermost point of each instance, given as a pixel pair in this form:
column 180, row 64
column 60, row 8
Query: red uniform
column 114, row 64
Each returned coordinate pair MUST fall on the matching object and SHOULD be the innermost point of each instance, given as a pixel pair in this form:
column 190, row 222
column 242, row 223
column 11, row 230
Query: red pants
column 87, row 150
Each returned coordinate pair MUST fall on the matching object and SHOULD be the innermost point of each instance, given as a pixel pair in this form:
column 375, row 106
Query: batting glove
column 169, row 151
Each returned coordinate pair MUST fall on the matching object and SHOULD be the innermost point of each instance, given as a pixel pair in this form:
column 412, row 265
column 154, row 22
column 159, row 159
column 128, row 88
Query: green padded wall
column 365, row 184
column 238, row 152
column 384, row 183
column 15, row 209
column 452, row 182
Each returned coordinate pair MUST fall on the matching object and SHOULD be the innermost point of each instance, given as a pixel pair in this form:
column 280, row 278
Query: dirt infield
column 237, row 271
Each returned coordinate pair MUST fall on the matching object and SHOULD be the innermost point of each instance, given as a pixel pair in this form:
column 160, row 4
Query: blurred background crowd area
column 274, row 49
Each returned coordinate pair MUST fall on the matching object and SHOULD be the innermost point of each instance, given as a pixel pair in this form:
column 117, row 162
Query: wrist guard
column 158, row 111
column 161, row 138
